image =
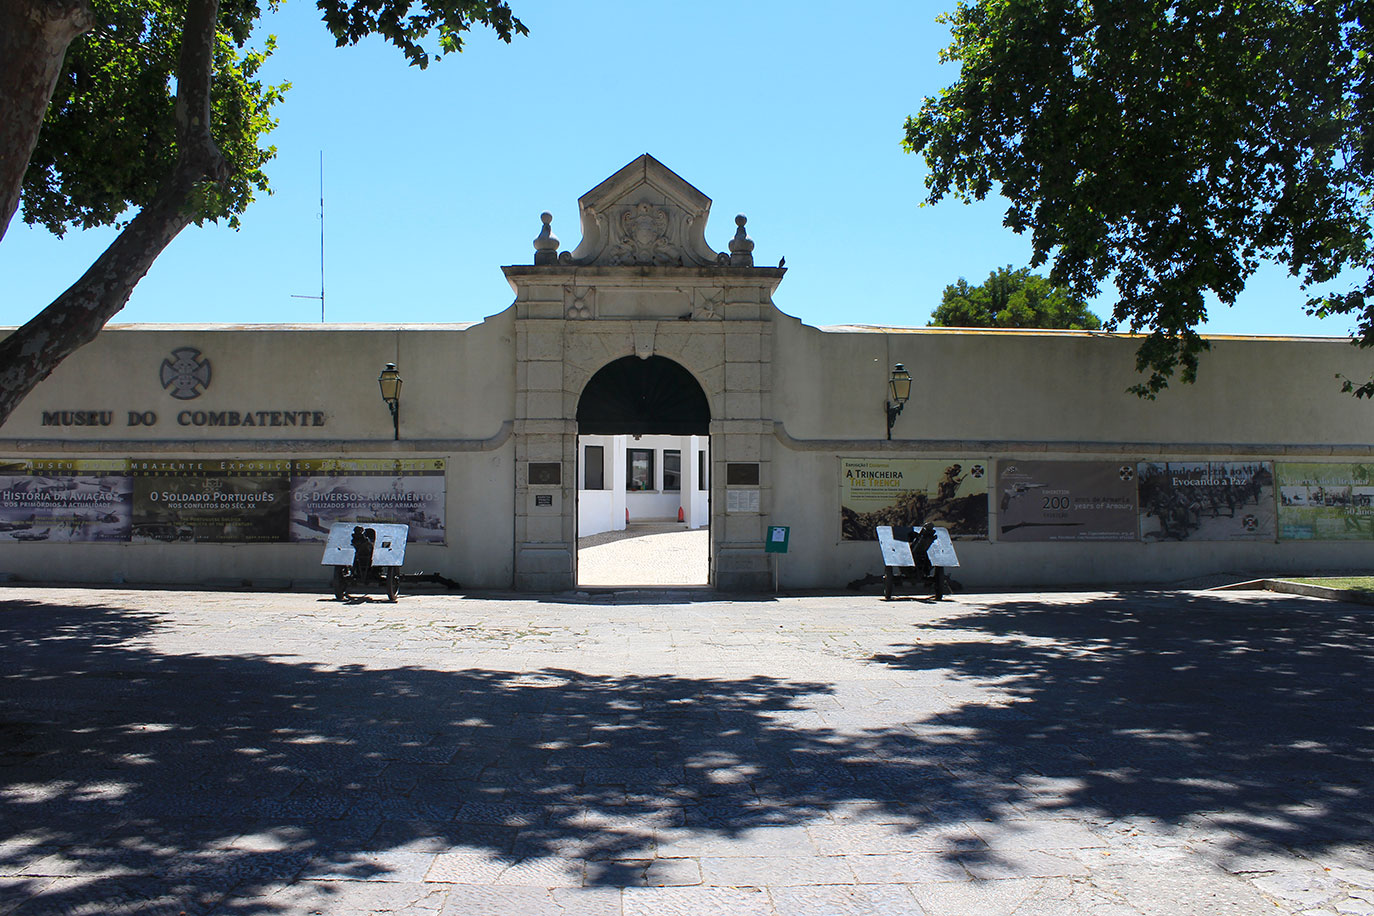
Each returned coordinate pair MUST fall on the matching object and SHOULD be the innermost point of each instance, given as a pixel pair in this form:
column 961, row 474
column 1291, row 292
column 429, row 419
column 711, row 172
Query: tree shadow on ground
column 133, row 778
column 1254, row 714
column 139, row 779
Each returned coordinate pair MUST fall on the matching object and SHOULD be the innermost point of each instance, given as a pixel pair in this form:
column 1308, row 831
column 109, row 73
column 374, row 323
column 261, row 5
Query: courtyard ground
column 640, row 753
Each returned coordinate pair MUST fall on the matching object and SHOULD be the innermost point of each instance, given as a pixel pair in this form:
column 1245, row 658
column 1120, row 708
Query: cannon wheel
column 393, row 583
column 887, row 583
column 340, row 589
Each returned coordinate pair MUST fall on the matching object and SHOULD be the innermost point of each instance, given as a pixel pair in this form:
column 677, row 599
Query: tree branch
column 34, row 35
column 31, row 353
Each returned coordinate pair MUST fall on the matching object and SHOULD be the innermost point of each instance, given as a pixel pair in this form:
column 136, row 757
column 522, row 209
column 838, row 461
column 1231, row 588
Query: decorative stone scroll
column 644, row 215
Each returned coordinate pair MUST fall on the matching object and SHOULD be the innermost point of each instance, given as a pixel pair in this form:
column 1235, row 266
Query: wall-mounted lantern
column 390, row 383
column 899, row 391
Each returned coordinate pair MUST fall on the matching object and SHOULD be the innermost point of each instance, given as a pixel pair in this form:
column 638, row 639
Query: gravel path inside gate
column 644, row 557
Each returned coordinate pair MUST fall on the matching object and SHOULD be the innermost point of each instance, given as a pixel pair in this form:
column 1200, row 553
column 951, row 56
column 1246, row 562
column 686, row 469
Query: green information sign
column 777, row 539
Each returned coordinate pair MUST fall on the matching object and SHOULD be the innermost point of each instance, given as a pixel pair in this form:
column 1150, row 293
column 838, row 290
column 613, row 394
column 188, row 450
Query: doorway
column 643, row 476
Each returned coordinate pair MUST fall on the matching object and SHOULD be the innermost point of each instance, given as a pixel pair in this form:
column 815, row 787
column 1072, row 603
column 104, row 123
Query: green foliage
column 110, row 134
column 408, row 25
column 1169, row 146
column 1013, row 299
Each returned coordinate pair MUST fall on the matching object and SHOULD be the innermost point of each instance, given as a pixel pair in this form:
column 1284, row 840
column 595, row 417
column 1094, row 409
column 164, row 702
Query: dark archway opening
column 643, row 397
column 643, row 453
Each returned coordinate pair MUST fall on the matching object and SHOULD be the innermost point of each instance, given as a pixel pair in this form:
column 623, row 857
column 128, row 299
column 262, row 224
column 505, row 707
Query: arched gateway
column 642, row 302
column 643, row 397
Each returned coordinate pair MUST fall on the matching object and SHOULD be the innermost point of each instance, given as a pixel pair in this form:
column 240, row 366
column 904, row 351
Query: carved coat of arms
column 644, row 237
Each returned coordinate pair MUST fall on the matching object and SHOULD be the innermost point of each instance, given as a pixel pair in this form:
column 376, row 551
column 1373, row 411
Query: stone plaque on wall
column 742, row 474
column 741, row 500
column 546, row 473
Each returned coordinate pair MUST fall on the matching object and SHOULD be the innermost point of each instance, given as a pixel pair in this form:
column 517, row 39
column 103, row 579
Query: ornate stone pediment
column 643, row 215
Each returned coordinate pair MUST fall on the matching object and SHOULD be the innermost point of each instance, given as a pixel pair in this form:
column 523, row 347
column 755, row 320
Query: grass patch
column 1348, row 583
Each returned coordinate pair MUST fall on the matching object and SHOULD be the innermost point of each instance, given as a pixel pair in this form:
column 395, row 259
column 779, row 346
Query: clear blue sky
column 790, row 113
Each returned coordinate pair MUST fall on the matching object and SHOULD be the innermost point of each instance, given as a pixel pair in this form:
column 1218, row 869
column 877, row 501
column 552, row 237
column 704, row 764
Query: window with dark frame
column 702, row 465
column 672, row 469
column 639, row 469
column 594, row 468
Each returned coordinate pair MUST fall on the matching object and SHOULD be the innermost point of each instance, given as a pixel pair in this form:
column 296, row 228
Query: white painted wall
column 1052, row 395
column 456, row 404
column 605, row 510
column 994, row 395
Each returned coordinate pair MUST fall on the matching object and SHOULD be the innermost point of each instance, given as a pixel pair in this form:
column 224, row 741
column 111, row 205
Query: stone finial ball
column 741, row 219
column 546, row 217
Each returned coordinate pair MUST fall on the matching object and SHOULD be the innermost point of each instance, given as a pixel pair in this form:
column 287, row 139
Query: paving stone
column 883, row 839
column 466, row 868
column 501, row 815
column 774, row 871
column 392, row 865
column 754, row 842
column 440, row 836
column 673, row 873
column 547, row 871
column 125, row 896
column 528, row 901
column 1025, row 863
column 14, row 892
column 906, row 868
column 343, row 898
column 1023, row 897
column 1196, row 890
column 1043, row 833
column 23, row 858
column 1301, row 888
column 696, row 901
column 1362, row 878
column 870, row 900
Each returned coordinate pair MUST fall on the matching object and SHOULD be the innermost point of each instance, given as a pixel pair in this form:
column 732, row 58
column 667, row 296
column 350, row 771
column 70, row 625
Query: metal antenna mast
column 321, row 295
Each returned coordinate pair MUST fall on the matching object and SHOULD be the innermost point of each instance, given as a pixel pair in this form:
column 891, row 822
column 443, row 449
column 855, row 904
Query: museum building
column 645, row 375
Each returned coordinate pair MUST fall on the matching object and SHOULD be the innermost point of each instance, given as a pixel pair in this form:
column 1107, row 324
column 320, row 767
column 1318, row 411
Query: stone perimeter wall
column 456, row 404
column 1047, row 396
column 491, row 397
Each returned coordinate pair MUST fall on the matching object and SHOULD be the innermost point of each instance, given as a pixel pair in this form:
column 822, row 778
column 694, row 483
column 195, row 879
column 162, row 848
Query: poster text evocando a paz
column 950, row 493
column 1206, row 501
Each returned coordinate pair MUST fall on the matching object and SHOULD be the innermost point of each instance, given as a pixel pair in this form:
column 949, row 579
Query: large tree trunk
column 34, row 35
column 31, row 353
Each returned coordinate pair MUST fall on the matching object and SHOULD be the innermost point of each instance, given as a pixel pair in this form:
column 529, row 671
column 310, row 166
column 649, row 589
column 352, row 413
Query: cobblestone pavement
column 641, row 753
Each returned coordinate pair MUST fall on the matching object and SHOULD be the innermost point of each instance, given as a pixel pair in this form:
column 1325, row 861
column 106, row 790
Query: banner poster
column 398, row 491
column 1327, row 502
column 1207, row 501
column 65, row 500
column 1066, row 501
column 950, row 493
column 210, row 500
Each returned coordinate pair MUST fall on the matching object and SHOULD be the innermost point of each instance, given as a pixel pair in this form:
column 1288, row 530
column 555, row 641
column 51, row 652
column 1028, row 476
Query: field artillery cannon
column 363, row 554
column 919, row 554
